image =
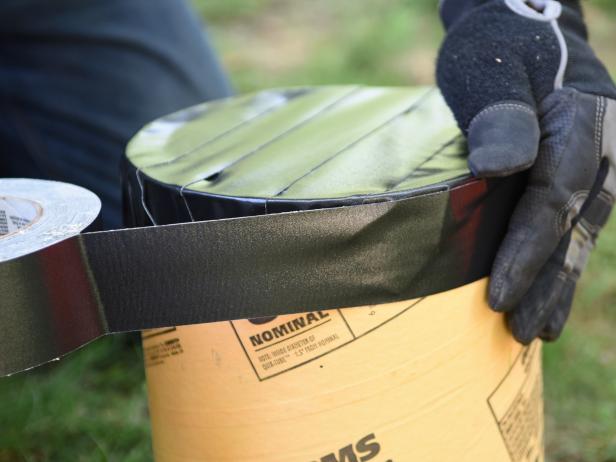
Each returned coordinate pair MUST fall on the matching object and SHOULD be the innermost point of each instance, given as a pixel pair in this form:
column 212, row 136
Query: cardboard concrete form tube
column 437, row 378
column 433, row 379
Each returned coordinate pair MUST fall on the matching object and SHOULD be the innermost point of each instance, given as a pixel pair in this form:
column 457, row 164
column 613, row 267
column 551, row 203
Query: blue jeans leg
column 78, row 78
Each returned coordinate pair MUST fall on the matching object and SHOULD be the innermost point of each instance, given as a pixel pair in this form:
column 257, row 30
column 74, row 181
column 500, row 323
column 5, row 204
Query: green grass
column 580, row 369
column 92, row 405
column 281, row 43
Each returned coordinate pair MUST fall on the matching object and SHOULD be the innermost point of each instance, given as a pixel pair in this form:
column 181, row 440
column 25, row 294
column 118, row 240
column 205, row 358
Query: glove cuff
column 452, row 10
column 575, row 4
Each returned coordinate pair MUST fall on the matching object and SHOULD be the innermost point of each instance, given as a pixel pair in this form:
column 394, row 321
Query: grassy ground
column 92, row 406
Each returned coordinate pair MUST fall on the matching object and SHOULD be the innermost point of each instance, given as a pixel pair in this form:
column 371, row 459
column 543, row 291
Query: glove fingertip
column 503, row 139
column 497, row 302
column 508, row 282
column 523, row 331
column 556, row 324
column 499, row 161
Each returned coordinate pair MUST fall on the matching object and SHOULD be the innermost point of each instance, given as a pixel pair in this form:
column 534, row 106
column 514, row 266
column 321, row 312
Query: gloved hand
column 529, row 93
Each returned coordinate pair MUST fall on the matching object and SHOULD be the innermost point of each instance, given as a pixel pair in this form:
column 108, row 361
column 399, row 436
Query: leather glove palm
column 529, row 93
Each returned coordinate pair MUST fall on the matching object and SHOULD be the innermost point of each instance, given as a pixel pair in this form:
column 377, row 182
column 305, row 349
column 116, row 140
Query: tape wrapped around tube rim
column 397, row 246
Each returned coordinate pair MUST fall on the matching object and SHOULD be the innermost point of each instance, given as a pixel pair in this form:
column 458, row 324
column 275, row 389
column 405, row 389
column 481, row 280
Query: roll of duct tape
column 49, row 304
column 394, row 216
column 36, row 214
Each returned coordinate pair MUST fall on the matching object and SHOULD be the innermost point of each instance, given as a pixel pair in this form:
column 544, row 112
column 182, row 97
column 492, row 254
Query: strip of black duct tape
column 66, row 294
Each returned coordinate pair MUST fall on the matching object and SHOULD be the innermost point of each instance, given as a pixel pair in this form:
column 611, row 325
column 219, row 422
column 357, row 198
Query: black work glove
column 529, row 93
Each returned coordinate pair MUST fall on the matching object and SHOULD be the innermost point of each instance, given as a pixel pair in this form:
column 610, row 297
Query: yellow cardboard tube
column 434, row 379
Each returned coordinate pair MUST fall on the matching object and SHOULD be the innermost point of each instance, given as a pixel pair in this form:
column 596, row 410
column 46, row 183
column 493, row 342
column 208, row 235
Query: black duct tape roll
column 287, row 201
